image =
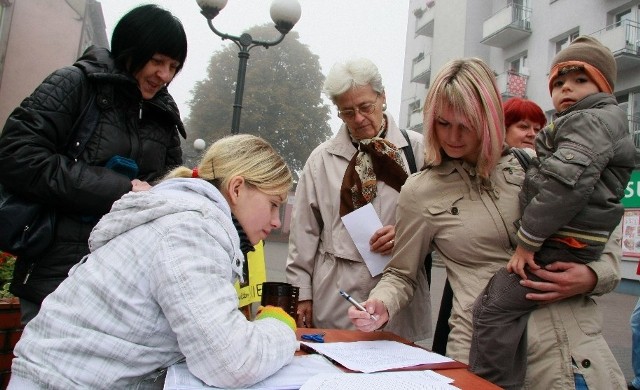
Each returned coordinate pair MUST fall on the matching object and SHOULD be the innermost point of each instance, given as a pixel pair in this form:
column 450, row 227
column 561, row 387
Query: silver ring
column 392, row 242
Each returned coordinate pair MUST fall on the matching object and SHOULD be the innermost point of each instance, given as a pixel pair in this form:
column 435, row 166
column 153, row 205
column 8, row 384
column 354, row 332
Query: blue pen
column 356, row 304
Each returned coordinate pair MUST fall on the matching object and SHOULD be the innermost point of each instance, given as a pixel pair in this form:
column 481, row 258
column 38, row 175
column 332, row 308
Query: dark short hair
column 145, row 31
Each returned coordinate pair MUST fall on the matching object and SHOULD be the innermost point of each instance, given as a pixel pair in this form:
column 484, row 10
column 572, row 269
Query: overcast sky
column 335, row 30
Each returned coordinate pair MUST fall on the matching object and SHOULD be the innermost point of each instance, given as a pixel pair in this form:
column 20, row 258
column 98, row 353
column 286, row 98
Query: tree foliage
column 282, row 97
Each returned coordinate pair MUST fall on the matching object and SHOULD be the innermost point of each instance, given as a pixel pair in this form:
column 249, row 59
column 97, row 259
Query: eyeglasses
column 363, row 109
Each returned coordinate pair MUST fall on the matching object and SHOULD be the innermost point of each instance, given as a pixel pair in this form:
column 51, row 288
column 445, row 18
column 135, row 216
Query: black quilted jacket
column 33, row 159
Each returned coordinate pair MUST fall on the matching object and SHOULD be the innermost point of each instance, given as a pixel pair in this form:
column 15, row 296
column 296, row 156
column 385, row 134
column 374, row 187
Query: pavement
column 615, row 307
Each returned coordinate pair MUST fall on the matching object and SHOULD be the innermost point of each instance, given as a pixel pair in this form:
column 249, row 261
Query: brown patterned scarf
column 376, row 159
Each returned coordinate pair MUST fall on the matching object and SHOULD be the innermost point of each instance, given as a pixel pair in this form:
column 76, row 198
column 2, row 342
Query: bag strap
column 408, row 152
column 523, row 157
column 83, row 128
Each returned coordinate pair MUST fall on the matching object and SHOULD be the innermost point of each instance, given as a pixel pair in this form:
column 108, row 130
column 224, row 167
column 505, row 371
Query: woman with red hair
column 523, row 119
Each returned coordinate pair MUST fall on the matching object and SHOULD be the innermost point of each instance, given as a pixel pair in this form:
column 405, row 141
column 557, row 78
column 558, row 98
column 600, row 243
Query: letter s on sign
column 629, row 192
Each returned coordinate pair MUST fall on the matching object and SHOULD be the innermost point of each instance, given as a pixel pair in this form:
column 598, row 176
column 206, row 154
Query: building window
column 519, row 65
column 564, row 42
column 415, row 106
column 622, row 16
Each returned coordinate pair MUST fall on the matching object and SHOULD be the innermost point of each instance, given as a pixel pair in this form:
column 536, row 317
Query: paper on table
column 291, row 376
column 378, row 355
column 361, row 224
column 400, row 380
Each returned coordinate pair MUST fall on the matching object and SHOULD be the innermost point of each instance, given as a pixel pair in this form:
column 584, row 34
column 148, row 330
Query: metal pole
column 245, row 42
column 237, row 105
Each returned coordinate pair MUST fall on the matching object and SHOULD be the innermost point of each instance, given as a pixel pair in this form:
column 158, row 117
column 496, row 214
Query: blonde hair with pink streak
column 468, row 87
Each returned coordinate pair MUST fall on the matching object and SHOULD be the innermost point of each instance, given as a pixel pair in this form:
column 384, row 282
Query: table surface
column 463, row 378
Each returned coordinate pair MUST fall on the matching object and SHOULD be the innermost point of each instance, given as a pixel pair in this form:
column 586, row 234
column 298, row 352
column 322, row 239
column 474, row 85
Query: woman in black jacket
column 113, row 108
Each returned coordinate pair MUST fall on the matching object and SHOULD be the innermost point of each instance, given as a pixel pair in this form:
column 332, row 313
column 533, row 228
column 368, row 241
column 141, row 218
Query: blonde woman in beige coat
column 464, row 206
column 322, row 256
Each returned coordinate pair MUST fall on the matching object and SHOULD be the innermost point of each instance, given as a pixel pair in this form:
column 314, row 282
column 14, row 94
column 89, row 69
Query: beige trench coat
column 471, row 226
column 322, row 256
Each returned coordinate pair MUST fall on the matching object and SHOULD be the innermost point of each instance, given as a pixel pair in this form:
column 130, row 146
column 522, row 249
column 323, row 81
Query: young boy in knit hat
column 570, row 202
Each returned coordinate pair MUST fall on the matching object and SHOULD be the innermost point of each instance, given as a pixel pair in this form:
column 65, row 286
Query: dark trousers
column 499, row 342
column 500, row 315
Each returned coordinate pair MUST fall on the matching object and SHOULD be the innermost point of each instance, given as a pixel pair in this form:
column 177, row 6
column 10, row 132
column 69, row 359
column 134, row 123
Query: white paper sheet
column 291, row 376
column 378, row 355
column 399, row 380
column 361, row 224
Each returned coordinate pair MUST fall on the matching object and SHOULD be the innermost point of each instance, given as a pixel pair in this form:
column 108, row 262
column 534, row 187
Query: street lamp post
column 284, row 13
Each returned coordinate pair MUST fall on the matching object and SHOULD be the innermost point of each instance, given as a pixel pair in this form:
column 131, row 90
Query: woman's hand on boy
column 561, row 280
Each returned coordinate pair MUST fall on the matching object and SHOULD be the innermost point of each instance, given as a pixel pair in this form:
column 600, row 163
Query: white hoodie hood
column 168, row 197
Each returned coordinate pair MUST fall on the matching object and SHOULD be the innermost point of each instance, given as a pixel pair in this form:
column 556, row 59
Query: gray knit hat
column 593, row 57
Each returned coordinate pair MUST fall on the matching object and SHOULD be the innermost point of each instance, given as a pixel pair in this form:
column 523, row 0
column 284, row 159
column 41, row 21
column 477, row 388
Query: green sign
column 632, row 193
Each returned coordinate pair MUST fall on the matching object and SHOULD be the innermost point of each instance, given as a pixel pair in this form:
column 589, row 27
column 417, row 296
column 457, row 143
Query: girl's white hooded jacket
column 157, row 288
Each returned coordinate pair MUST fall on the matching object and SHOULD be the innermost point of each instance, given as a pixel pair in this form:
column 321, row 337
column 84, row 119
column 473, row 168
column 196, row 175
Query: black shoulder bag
column 27, row 228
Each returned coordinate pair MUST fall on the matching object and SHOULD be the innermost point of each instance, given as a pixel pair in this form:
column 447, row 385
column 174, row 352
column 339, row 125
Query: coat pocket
column 513, row 175
column 445, row 204
column 566, row 165
column 587, row 316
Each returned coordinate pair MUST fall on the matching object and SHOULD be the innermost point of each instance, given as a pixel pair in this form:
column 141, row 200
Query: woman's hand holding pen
column 365, row 321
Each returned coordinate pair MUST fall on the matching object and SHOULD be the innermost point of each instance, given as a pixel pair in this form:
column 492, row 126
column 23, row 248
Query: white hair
column 356, row 72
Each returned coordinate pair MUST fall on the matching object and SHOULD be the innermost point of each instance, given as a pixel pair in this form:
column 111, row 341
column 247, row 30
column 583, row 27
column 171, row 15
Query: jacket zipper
column 26, row 278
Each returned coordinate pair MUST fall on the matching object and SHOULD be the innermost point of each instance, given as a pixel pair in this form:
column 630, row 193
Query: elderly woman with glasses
column 367, row 161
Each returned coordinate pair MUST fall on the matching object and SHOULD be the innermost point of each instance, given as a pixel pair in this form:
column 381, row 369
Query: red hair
column 517, row 109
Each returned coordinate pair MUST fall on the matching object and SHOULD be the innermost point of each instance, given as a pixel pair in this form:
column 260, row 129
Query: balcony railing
column 421, row 71
column 623, row 38
column 512, row 84
column 508, row 26
column 425, row 20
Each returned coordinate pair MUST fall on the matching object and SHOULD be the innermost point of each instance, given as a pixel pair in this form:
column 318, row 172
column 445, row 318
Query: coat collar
column 588, row 102
column 341, row 144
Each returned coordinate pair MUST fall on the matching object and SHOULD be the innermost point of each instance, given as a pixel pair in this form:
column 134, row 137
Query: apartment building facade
column 518, row 39
column 39, row 36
